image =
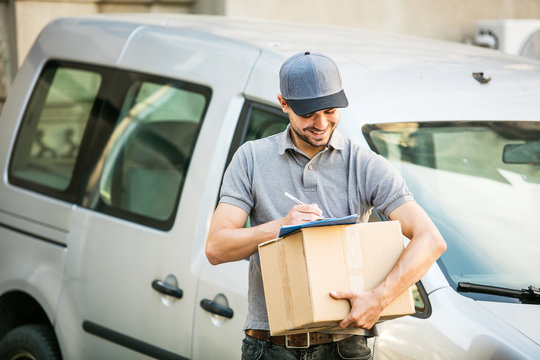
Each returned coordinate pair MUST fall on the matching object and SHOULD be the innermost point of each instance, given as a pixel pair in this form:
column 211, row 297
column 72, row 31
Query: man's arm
column 228, row 240
column 424, row 249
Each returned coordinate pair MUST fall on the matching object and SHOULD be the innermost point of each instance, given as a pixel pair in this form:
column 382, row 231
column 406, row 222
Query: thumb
column 339, row 295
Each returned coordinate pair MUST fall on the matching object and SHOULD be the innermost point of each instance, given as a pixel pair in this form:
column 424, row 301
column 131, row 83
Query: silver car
column 115, row 137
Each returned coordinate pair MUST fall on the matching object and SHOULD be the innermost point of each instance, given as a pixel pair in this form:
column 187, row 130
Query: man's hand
column 366, row 308
column 228, row 240
column 425, row 247
column 300, row 214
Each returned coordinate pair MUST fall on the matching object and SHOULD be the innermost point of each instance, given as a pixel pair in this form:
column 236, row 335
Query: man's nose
column 321, row 121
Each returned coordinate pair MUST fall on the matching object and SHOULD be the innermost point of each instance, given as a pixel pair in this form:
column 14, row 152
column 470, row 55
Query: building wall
column 442, row 19
column 33, row 15
column 8, row 59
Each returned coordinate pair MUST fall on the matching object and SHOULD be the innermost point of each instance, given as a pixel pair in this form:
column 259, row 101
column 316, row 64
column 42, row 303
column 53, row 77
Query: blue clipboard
column 351, row 219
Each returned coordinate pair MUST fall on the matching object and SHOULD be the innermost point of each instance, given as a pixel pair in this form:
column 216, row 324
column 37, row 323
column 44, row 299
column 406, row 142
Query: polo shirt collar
column 337, row 141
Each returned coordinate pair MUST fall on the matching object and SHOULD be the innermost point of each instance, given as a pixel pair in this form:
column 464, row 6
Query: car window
column 422, row 305
column 467, row 175
column 115, row 141
column 257, row 121
column 264, row 122
column 53, row 126
column 150, row 149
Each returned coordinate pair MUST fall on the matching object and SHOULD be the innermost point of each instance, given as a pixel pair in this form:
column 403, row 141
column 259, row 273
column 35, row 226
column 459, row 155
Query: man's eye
column 307, row 116
column 330, row 111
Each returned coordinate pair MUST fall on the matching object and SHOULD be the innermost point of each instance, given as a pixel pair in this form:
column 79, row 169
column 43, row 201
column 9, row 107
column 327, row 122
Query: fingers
column 300, row 214
column 308, row 209
column 365, row 309
column 351, row 317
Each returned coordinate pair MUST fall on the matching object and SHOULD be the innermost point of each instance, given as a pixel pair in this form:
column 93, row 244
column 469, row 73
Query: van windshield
column 480, row 183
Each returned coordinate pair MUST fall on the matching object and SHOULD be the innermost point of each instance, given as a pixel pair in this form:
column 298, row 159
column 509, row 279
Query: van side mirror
column 524, row 153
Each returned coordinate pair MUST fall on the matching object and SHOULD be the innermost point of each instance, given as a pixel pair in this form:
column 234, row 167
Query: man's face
column 312, row 132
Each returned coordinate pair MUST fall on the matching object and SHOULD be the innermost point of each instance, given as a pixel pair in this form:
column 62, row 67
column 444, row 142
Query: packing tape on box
column 353, row 256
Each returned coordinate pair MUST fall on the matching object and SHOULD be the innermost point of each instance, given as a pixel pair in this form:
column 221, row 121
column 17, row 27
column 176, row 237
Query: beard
column 310, row 141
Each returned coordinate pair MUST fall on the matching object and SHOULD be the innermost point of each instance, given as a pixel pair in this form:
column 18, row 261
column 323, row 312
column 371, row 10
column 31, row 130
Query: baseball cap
column 311, row 82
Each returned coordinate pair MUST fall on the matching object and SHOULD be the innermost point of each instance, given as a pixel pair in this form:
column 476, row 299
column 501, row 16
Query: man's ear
column 283, row 103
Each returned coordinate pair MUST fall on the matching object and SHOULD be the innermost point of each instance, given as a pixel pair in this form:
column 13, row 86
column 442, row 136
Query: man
column 336, row 177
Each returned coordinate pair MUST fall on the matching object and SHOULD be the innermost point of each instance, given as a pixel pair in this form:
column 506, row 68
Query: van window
column 115, row 141
column 150, row 149
column 257, row 121
column 265, row 122
column 53, row 126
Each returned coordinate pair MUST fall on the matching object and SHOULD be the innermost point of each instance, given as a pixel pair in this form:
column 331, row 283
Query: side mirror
column 524, row 153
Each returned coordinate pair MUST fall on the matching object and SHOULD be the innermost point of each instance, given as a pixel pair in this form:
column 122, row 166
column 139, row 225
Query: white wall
column 443, row 19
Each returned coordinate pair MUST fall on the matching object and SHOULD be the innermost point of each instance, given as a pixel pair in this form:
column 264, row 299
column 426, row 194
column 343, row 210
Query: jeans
column 354, row 347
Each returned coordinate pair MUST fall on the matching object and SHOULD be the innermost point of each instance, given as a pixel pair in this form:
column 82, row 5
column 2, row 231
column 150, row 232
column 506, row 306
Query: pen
column 298, row 202
column 293, row 198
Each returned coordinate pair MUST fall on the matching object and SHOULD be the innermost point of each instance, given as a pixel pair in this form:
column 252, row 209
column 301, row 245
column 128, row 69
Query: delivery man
column 334, row 177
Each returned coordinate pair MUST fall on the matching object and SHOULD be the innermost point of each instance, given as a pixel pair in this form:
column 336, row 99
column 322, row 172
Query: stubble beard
column 307, row 140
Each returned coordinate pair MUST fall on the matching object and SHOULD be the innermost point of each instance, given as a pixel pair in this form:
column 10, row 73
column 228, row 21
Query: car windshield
column 480, row 183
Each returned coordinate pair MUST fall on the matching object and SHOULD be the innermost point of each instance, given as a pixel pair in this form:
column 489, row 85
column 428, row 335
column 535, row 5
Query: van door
column 131, row 272
column 223, row 288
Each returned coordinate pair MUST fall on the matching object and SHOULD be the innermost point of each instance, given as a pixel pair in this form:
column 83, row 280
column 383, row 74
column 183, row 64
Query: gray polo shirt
column 342, row 179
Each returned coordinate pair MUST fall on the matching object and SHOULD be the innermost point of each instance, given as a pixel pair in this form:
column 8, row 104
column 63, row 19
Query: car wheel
column 30, row 342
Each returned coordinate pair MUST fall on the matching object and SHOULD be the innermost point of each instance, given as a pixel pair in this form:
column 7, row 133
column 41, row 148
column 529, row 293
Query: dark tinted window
column 150, row 149
column 257, row 121
column 114, row 141
column 53, row 126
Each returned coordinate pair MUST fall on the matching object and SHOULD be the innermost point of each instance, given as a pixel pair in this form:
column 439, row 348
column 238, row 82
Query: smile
column 317, row 132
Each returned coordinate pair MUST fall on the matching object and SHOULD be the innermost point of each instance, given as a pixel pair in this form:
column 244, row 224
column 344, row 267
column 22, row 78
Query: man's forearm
column 424, row 249
column 232, row 244
column 228, row 239
column 414, row 262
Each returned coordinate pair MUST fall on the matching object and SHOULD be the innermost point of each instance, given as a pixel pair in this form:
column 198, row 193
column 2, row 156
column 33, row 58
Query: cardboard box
column 301, row 269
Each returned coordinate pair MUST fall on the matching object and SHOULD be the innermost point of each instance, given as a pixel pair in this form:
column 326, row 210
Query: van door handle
column 216, row 308
column 167, row 289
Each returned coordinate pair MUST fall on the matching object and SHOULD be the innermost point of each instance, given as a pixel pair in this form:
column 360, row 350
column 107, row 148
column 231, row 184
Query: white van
column 113, row 144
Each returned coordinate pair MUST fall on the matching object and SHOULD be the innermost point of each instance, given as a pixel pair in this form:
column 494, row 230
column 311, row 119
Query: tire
column 30, row 342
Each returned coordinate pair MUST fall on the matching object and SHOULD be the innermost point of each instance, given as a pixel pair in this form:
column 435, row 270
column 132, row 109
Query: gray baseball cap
column 311, row 82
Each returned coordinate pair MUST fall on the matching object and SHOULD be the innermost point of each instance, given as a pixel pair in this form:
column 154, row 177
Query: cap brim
column 303, row 107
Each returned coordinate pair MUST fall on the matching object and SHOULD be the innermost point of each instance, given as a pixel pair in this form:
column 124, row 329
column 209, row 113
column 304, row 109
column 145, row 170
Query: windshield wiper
column 530, row 295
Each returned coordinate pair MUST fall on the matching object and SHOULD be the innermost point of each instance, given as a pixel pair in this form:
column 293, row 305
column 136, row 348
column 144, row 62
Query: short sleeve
column 385, row 188
column 236, row 188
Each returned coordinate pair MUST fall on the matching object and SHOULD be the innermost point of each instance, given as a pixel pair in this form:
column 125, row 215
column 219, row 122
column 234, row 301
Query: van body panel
column 32, row 266
column 470, row 332
column 40, row 230
column 518, row 316
column 263, row 85
column 103, row 41
column 227, row 286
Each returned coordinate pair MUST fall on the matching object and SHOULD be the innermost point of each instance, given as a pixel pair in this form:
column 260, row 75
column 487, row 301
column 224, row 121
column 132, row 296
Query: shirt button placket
column 310, row 178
